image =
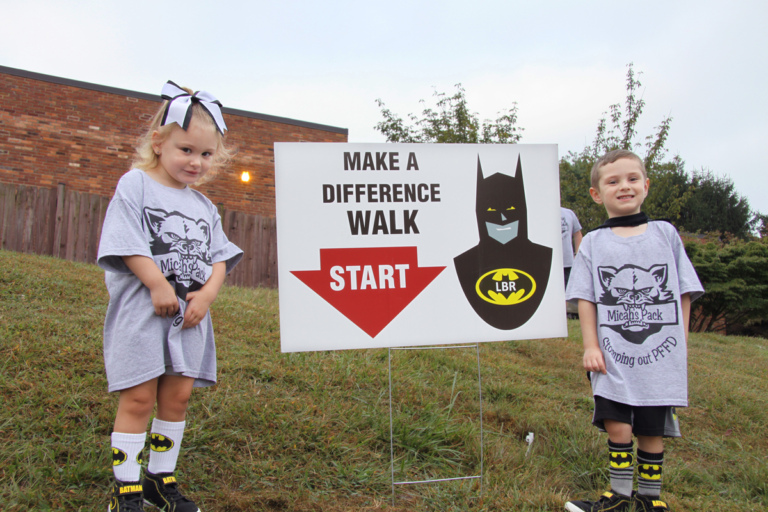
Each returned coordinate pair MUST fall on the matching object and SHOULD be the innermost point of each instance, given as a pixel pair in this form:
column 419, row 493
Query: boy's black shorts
column 645, row 421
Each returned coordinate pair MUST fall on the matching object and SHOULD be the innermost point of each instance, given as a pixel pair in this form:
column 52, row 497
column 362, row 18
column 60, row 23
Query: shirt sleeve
column 580, row 283
column 686, row 273
column 576, row 223
column 221, row 248
column 122, row 233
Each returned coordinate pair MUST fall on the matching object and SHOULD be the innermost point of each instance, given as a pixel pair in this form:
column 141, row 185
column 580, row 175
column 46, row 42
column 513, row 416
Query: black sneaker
column 609, row 501
column 162, row 491
column 648, row 504
column 126, row 497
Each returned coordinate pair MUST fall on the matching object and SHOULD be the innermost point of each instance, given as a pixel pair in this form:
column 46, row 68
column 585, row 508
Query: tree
column 617, row 129
column 735, row 276
column 622, row 132
column 698, row 204
column 670, row 191
column 713, row 204
column 761, row 225
column 702, row 203
column 450, row 121
column 574, row 186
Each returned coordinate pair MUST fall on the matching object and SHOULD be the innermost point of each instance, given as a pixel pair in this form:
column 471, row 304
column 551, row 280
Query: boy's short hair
column 609, row 158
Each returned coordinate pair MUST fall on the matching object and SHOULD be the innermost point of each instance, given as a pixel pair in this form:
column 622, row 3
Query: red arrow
column 369, row 286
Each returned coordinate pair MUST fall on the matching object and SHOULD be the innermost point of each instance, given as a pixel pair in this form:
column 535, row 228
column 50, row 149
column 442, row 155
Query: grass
column 310, row 431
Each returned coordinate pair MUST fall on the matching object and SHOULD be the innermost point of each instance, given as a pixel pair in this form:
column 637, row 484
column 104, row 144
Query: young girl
column 166, row 258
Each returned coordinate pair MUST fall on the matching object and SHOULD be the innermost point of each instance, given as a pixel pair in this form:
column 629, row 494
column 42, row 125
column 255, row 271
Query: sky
column 703, row 63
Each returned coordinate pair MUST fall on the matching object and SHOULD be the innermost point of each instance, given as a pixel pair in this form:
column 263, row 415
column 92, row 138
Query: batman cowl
column 505, row 276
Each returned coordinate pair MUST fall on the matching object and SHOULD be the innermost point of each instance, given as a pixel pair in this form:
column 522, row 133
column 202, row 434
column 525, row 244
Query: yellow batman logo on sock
column 160, row 443
column 649, row 471
column 118, row 457
column 621, row 460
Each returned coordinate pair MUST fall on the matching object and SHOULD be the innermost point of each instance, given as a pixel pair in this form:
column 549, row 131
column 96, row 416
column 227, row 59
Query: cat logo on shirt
column 181, row 247
column 635, row 301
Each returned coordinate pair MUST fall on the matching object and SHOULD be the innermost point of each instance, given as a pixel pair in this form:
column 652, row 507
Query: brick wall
column 54, row 130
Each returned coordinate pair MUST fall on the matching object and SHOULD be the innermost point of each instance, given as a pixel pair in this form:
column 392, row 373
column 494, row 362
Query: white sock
column 164, row 445
column 126, row 453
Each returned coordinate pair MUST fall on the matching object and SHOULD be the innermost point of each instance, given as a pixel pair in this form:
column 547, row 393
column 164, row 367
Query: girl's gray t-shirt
column 180, row 229
column 636, row 284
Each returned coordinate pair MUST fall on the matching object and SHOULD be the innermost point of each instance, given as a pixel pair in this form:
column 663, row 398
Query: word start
column 385, row 276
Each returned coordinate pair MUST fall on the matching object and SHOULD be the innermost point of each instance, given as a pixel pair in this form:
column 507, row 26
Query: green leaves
column 450, row 121
column 701, row 203
column 715, row 205
column 735, row 276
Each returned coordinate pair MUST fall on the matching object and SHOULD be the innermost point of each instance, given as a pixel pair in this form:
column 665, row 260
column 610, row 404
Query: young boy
column 634, row 285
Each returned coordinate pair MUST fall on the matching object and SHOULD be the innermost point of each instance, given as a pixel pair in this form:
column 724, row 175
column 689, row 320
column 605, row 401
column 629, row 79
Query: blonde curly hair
column 146, row 159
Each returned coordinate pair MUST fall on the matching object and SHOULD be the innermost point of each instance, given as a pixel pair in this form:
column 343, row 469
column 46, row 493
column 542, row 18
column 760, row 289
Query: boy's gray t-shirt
column 636, row 284
column 180, row 229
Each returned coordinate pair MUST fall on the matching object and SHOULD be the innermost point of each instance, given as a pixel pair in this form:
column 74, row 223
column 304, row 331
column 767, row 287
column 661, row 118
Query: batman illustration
column 505, row 276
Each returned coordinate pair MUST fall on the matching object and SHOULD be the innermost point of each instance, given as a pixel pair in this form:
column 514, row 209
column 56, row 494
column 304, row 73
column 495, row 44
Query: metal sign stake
column 391, row 421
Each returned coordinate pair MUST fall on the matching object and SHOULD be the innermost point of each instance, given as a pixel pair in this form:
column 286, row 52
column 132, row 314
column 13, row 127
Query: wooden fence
column 66, row 224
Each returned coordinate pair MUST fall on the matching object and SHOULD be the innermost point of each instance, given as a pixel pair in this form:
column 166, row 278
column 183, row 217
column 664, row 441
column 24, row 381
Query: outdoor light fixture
column 245, row 177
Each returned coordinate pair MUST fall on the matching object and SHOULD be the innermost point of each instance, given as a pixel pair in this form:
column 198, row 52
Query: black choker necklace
column 628, row 220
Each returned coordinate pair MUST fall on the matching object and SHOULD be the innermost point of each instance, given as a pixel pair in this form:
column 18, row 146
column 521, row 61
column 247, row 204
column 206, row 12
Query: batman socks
column 621, row 470
column 621, row 467
column 126, row 456
column 649, row 467
column 164, row 444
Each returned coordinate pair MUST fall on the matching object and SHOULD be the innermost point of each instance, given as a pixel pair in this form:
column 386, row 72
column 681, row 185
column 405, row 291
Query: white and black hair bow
column 179, row 109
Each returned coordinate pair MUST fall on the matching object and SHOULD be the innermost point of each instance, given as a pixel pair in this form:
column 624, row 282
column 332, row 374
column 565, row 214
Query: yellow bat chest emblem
column 505, row 286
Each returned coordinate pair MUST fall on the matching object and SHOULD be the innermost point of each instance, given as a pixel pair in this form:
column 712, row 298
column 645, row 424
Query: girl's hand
column 593, row 360
column 199, row 301
column 164, row 299
column 160, row 290
column 197, row 307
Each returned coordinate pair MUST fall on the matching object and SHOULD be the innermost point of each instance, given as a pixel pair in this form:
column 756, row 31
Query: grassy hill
column 310, row 431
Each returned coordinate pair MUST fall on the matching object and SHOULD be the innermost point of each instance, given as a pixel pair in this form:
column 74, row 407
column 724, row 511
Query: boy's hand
column 593, row 360
column 593, row 356
column 198, row 303
column 164, row 299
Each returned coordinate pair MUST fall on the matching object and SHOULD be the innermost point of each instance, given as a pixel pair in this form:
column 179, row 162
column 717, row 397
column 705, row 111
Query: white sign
column 392, row 245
